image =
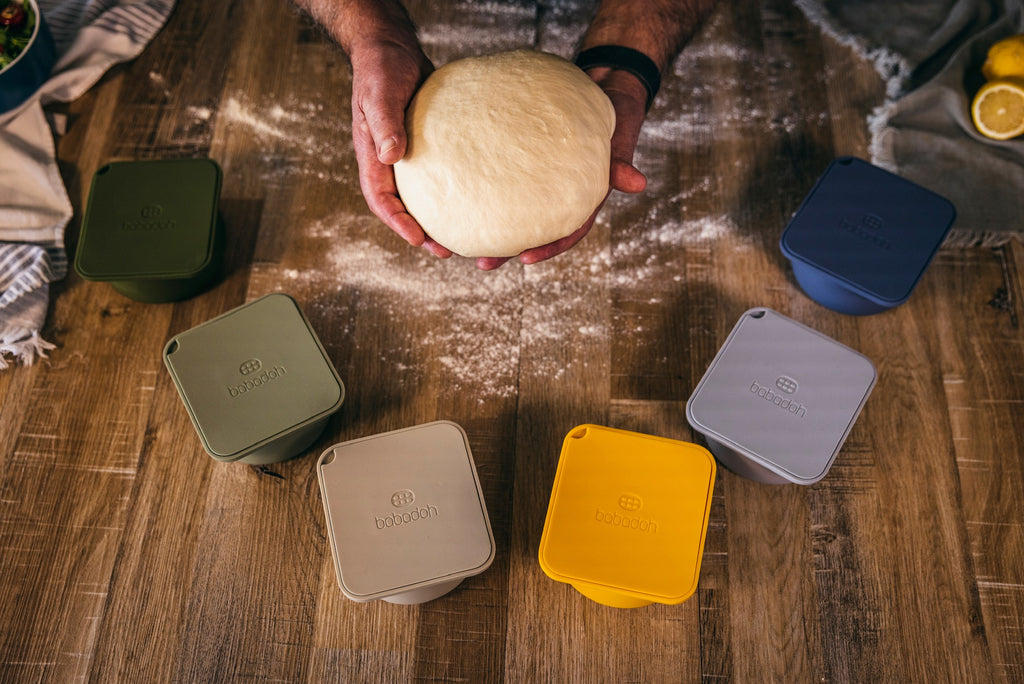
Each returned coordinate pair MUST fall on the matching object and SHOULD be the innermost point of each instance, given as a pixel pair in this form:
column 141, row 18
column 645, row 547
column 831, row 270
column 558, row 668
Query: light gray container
column 405, row 513
column 256, row 381
column 779, row 399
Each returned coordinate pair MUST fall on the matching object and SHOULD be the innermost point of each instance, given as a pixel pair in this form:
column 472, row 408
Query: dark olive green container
column 152, row 228
column 256, row 381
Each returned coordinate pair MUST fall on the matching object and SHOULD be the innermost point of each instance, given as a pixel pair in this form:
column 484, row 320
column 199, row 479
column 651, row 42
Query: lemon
column 1005, row 59
column 998, row 109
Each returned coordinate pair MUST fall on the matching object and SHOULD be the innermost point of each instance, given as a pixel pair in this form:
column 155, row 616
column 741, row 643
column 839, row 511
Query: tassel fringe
column 23, row 345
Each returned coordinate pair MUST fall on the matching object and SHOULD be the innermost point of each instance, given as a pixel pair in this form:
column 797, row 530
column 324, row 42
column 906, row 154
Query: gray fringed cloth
column 930, row 54
column 90, row 36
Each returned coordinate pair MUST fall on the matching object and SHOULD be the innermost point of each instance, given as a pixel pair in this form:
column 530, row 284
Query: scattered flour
column 158, row 81
column 477, row 28
column 475, row 325
column 470, row 318
column 200, row 113
column 300, row 139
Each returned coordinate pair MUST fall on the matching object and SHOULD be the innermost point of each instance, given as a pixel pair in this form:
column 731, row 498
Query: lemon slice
column 1005, row 58
column 998, row 109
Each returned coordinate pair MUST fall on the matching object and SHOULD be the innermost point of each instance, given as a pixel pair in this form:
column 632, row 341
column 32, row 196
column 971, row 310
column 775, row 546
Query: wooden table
column 127, row 554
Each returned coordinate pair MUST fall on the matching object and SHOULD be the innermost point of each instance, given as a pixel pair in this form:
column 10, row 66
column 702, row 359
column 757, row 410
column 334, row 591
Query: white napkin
column 91, row 36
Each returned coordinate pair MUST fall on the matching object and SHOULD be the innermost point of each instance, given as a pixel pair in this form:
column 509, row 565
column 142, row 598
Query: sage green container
column 256, row 381
column 152, row 229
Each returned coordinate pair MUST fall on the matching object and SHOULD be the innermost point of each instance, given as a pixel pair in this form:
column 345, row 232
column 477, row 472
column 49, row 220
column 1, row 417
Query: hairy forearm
column 657, row 28
column 352, row 22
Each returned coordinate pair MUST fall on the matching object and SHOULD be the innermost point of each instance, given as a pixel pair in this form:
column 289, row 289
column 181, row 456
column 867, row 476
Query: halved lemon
column 998, row 109
column 1005, row 58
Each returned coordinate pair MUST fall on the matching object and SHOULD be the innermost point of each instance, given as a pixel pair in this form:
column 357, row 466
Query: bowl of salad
column 27, row 52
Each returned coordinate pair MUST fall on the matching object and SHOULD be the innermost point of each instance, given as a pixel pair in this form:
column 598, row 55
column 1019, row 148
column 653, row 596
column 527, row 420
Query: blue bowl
column 863, row 237
column 22, row 77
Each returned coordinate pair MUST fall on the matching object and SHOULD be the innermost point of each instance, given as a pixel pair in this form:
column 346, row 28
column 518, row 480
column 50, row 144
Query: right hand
column 385, row 76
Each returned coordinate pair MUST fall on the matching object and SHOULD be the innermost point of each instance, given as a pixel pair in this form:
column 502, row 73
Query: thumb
column 386, row 122
column 627, row 178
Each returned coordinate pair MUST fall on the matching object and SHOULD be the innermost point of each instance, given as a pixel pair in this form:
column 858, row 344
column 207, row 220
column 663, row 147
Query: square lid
column 149, row 219
column 872, row 230
column 782, row 394
column 253, row 375
column 628, row 514
column 404, row 510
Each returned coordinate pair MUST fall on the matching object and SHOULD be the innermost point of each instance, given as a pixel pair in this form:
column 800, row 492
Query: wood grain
column 129, row 555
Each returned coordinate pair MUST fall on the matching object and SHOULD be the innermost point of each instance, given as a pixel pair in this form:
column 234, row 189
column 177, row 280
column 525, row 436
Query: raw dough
column 506, row 152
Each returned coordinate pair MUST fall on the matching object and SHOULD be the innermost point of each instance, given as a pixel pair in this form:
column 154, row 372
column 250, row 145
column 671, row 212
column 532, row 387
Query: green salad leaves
column 17, row 22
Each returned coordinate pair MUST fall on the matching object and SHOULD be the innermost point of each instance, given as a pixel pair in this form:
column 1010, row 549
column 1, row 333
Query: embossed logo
column 868, row 229
column 409, row 516
column 783, row 402
column 403, row 497
column 787, row 384
column 630, row 502
column 150, row 220
column 872, row 222
column 250, row 366
column 254, row 380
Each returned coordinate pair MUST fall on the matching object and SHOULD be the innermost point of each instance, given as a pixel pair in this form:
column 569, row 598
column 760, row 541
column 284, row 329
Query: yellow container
column 628, row 516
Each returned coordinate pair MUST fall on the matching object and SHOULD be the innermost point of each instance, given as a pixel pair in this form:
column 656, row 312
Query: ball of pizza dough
column 506, row 152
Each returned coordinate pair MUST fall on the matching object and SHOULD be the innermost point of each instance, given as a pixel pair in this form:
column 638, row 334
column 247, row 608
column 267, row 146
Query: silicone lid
column 782, row 394
column 874, row 231
column 627, row 517
column 150, row 219
column 404, row 511
column 253, row 375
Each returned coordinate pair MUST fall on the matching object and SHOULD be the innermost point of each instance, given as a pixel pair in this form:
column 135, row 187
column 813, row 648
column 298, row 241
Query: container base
column 288, row 447
column 610, row 598
column 162, row 290
column 743, row 466
column 434, row 591
column 823, row 289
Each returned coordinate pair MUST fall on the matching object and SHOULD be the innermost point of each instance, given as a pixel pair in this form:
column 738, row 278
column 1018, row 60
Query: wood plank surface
column 128, row 555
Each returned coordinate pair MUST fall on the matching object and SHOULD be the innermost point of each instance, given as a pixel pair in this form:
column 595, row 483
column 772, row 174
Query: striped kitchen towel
column 90, row 36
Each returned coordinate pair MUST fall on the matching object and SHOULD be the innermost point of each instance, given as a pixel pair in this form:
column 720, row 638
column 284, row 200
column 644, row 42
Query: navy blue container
column 863, row 237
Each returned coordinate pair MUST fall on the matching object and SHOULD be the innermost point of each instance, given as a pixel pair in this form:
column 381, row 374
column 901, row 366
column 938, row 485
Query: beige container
column 405, row 513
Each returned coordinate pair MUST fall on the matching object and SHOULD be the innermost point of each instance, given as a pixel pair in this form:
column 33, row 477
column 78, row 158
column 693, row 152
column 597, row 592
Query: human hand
column 629, row 98
column 385, row 76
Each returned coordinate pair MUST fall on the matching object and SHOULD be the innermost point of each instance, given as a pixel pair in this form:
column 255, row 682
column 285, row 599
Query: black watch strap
column 626, row 59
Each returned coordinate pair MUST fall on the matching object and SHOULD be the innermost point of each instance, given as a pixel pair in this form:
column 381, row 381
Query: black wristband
column 626, row 59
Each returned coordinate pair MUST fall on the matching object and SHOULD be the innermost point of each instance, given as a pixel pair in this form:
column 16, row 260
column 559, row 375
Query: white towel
column 930, row 54
column 91, row 36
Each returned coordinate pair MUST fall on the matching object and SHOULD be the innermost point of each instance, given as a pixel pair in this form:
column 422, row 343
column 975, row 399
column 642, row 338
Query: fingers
column 377, row 181
column 544, row 252
column 384, row 78
column 490, row 263
column 437, row 249
column 627, row 178
column 629, row 99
